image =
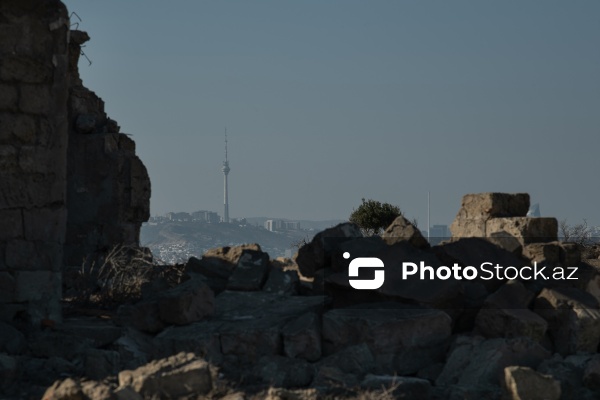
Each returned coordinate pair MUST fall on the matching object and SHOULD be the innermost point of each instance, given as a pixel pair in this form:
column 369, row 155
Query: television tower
column 225, row 170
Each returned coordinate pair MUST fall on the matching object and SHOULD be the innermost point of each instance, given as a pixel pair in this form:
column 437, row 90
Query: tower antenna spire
column 225, row 170
column 225, row 143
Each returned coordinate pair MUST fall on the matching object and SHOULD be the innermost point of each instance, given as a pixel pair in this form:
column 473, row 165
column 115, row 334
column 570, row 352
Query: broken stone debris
column 517, row 341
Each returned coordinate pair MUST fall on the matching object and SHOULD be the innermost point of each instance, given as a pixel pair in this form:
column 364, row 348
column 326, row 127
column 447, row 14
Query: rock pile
column 242, row 326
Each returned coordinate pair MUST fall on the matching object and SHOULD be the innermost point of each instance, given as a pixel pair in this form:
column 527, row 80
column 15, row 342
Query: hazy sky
column 329, row 101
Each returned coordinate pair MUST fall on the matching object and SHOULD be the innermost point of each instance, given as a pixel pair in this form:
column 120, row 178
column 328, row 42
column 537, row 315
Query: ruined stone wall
column 108, row 188
column 70, row 183
column 33, row 149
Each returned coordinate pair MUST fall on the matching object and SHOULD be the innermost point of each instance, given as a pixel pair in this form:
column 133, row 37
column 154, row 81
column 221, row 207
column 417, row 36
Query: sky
column 329, row 101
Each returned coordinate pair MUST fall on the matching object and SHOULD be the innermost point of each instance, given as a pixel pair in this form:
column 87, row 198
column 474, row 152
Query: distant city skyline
column 329, row 102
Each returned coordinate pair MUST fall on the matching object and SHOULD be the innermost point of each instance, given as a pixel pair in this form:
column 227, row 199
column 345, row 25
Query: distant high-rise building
column 206, row 216
column 226, row 170
column 438, row 233
column 534, row 210
column 281, row 225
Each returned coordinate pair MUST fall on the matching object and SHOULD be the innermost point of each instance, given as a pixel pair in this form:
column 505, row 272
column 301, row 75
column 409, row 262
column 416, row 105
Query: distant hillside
column 174, row 242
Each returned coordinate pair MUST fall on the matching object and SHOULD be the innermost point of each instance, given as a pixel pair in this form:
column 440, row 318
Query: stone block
column 476, row 209
column 7, row 287
column 200, row 338
column 85, row 123
column 65, row 389
column 45, row 224
column 9, row 159
column 505, row 313
column 20, row 254
column 99, row 364
column 222, row 261
column 317, row 254
column 143, row 316
column 573, row 319
column 402, row 229
column 11, row 224
column 33, row 256
column 525, row 229
column 524, row 383
column 49, row 344
column 31, row 190
column 302, row 337
column 570, row 254
column 543, row 253
column 282, row 282
column 251, row 271
column 37, row 285
column 494, row 205
column 8, row 97
column 8, row 370
column 22, row 69
column 103, row 333
column 403, row 340
column 279, row 371
column 126, row 144
column 357, row 360
column 40, row 160
column 36, row 99
column 190, row 301
column 479, row 364
column 591, row 374
column 11, row 340
column 17, row 127
column 173, row 377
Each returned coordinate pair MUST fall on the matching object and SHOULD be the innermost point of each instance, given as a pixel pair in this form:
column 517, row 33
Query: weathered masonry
column 70, row 183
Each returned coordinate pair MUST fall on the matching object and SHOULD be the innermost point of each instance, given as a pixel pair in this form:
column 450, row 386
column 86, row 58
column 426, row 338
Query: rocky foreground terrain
column 236, row 324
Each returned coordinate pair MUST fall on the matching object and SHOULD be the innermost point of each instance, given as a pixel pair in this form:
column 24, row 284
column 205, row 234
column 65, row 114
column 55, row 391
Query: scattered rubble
column 240, row 325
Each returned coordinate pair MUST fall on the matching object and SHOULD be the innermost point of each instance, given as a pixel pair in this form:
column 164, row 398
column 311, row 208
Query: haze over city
column 329, row 102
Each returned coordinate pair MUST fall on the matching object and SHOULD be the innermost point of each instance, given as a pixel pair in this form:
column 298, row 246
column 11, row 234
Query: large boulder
column 347, row 367
column 174, row 377
column 68, row 389
column 187, row 302
column 476, row 366
column 302, row 337
column 316, row 255
column 218, row 264
column 402, row 229
column 477, row 209
column 571, row 372
column 475, row 252
column 573, row 319
column 281, row 281
column 523, row 383
column 251, row 271
column 246, row 326
column 525, row 229
column 183, row 304
column 281, row 371
column 505, row 313
column 402, row 339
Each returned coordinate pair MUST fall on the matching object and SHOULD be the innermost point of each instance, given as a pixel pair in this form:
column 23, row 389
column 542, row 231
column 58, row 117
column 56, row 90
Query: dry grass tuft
column 118, row 277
